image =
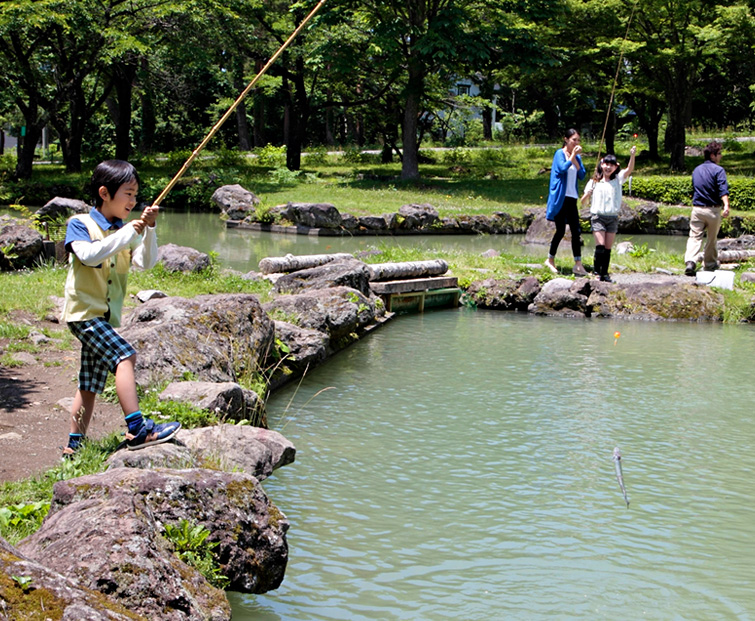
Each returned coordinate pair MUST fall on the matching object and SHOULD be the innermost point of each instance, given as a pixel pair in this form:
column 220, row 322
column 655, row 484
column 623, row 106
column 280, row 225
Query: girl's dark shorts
column 609, row 224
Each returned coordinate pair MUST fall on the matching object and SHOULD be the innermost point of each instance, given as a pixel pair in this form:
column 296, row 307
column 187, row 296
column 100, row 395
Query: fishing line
column 615, row 81
column 235, row 105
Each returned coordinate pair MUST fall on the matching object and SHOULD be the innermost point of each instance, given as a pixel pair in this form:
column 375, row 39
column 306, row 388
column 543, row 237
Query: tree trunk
column 611, row 133
column 26, row 148
column 149, row 122
column 415, row 88
column 2, row 142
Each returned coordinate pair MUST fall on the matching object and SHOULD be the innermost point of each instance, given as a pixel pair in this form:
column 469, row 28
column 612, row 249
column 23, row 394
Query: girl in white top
column 605, row 190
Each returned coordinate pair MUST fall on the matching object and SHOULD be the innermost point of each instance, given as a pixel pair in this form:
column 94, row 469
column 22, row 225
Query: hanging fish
column 619, row 474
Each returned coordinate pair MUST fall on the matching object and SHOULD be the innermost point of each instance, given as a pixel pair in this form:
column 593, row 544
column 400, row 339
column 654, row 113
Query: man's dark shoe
column 690, row 270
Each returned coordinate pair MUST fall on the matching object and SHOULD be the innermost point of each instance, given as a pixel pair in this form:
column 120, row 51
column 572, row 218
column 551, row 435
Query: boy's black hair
column 112, row 174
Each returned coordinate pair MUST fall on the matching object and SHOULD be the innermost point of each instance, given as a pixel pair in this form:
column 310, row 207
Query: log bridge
column 409, row 286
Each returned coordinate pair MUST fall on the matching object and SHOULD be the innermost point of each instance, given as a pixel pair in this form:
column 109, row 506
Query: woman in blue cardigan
column 562, row 207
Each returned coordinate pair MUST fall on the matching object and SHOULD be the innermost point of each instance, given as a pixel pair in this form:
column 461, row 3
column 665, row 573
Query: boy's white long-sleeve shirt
column 144, row 247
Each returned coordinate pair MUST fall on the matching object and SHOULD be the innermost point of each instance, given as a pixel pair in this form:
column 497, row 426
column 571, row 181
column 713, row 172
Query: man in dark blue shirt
column 710, row 203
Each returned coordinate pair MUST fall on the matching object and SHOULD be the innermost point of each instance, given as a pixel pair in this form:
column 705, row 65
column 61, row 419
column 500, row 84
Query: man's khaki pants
column 703, row 219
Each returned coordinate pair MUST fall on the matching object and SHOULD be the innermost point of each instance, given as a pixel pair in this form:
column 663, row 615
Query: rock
column 253, row 450
column 50, row 595
column 235, row 201
column 562, row 297
column 374, row 223
column 678, row 225
column 640, row 219
column 504, row 294
column 182, row 259
column 314, row 215
column 490, row 253
column 38, row 338
column 669, row 300
column 630, row 296
column 540, row 230
column 345, row 272
column 417, row 216
column 337, row 312
column 150, row 294
column 307, row 348
column 23, row 357
column 349, row 222
column 60, row 207
column 12, row 436
column 227, row 400
column 108, row 530
column 747, row 277
column 20, row 246
column 213, row 338
column 624, row 247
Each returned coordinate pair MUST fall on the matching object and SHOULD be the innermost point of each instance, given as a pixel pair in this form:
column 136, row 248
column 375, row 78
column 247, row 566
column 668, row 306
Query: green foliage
column 23, row 518
column 192, row 547
column 670, row 190
column 190, row 416
column 271, row 156
column 640, row 251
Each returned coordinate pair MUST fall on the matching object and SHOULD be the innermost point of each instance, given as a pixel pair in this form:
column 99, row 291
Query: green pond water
column 459, row 466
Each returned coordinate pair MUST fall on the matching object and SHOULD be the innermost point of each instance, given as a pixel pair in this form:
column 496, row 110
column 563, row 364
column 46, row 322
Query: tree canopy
column 109, row 77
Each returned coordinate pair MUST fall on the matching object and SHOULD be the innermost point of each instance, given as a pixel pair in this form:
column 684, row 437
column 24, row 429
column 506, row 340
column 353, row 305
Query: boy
column 102, row 247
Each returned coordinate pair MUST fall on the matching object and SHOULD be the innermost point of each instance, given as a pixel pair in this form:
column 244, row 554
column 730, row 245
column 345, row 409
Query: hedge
column 678, row 191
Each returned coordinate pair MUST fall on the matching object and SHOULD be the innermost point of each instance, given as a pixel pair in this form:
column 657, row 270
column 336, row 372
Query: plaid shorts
column 102, row 350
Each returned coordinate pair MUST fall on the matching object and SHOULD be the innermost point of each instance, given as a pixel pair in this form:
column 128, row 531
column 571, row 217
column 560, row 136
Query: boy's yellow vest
column 92, row 291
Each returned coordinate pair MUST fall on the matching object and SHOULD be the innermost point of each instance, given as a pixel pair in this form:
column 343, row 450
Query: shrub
column 272, row 156
column 670, row 190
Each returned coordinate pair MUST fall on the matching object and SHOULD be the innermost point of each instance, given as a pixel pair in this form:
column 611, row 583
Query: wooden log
column 407, row 269
column 291, row 263
column 735, row 256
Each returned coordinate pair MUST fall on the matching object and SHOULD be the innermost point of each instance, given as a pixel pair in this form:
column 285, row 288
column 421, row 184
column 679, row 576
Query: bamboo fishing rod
column 235, row 105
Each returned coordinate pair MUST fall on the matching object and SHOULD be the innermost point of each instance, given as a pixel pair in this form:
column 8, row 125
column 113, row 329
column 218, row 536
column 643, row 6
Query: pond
column 242, row 250
column 458, row 465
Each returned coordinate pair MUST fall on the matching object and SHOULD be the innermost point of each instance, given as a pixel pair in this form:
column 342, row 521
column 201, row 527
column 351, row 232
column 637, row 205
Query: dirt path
column 33, row 423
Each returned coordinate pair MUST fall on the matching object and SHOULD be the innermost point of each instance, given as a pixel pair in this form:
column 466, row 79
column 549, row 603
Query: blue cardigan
column 557, row 191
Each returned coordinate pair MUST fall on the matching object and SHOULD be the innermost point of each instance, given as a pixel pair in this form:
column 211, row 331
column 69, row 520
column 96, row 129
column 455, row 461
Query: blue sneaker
column 151, row 433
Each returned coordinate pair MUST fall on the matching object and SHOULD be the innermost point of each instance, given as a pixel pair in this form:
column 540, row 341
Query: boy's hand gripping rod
column 235, row 105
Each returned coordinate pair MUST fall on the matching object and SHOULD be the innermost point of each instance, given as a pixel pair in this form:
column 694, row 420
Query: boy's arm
column 93, row 253
column 145, row 254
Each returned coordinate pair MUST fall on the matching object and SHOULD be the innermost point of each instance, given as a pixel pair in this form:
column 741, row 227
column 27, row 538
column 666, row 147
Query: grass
column 457, row 181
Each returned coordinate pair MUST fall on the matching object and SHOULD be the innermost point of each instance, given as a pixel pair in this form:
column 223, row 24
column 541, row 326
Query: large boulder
column 47, row 594
column 20, row 246
column 562, row 297
column 417, row 216
column 59, row 207
column 314, row 215
column 345, row 272
column 108, row 531
column 182, row 259
column 235, row 201
column 337, row 312
column 303, row 348
column 743, row 242
column 504, row 294
column 630, row 296
column 228, row 400
column 241, row 448
column 640, row 219
column 216, row 338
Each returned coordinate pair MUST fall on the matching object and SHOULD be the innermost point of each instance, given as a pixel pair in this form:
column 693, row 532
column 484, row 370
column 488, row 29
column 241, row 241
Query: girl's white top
column 606, row 195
